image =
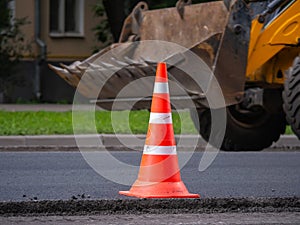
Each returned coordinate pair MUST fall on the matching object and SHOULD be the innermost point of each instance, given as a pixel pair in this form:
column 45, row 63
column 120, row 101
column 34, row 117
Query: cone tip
column 161, row 72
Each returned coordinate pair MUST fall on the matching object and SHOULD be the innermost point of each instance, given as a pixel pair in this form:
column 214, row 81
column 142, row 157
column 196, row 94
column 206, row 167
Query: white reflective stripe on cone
column 161, row 87
column 160, row 118
column 159, row 150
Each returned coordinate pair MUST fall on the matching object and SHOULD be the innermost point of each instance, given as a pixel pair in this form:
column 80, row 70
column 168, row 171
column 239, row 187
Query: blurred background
column 34, row 33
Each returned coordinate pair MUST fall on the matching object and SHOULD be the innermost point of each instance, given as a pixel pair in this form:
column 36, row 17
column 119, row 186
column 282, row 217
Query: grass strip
column 104, row 122
column 47, row 123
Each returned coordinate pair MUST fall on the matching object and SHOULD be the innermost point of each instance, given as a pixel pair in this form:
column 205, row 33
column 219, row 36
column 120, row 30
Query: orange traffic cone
column 159, row 175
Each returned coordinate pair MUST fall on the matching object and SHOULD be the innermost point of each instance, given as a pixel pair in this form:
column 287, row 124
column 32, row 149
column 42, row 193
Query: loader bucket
column 187, row 28
column 205, row 29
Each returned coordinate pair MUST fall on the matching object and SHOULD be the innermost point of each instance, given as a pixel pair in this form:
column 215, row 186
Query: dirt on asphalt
column 150, row 206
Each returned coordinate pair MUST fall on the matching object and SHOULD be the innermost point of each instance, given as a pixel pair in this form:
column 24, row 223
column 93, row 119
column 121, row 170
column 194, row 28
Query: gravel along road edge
column 149, row 206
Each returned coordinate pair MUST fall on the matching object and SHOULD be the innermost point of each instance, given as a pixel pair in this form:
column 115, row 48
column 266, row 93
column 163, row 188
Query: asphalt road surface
column 66, row 175
column 147, row 219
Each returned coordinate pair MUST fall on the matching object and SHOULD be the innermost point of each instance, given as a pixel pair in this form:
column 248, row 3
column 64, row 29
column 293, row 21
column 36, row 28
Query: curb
column 41, row 107
column 117, row 141
column 90, row 141
column 287, row 141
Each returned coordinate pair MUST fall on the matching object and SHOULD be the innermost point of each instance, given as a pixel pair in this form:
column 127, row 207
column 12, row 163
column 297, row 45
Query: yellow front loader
column 251, row 47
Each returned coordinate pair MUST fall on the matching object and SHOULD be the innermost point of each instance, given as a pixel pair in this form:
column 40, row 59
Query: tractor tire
column 245, row 131
column 291, row 97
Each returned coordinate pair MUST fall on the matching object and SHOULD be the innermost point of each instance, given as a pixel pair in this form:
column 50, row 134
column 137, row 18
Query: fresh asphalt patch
column 150, row 206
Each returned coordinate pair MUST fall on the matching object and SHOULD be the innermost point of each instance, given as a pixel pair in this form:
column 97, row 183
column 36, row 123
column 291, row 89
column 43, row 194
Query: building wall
column 70, row 48
column 25, row 9
column 59, row 49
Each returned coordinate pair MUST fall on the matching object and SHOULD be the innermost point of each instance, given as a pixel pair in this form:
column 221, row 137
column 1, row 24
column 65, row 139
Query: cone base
column 159, row 190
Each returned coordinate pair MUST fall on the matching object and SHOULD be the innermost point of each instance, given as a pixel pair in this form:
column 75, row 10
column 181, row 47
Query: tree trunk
column 116, row 13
